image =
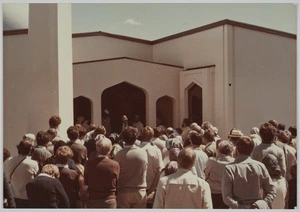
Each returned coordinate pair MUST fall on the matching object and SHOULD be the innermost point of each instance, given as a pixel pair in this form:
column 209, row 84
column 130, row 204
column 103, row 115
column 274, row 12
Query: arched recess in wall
column 195, row 103
column 164, row 111
column 82, row 107
column 124, row 98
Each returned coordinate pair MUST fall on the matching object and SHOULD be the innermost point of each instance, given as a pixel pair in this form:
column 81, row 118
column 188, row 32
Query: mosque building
column 229, row 73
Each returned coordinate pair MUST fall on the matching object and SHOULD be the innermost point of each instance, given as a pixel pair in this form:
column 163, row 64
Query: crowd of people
column 161, row 167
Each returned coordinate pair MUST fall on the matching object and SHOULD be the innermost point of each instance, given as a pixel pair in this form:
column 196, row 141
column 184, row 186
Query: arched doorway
column 82, row 107
column 164, row 111
column 195, row 104
column 121, row 99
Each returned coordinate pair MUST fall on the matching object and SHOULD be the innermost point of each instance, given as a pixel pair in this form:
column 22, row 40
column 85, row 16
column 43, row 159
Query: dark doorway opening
column 82, row 107
column 195, row 104
column 164, row 111
column 123, row 99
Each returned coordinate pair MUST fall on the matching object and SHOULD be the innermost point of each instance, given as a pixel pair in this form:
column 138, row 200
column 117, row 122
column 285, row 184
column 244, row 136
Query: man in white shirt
column 138, row 124
column 155, row 163
column 19, row 170
column 183, row 189
column 201, row 156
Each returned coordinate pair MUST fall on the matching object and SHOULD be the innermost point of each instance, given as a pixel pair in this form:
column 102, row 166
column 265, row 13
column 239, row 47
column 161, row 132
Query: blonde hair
column 64, row 154
column 51, row 169
column 103, row 145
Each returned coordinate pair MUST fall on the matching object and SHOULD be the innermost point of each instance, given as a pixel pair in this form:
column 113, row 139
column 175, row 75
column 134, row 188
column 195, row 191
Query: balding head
column 186, row 158
column 103, row 145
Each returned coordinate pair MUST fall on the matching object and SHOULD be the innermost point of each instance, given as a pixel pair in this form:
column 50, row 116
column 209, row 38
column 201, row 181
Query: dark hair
column 179, row 130
column 129, row 135
column 209, row 135
column 52, row 132
column 285, row 137
column 73, row 133
column 274, row 123
column 25, row 147
column 6, row 154
column 281, row 126
column 195, row 138
column 186, row 158
column 186, row 122
column 293, row 130
column 54, row 121
column 82, row 131
column 267, row 133
column 245, row 145
column 42, row 138
column 58, row 144
column 157, row 132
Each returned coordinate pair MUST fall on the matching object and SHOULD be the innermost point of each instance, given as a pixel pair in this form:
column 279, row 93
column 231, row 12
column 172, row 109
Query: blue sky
column 152, row 21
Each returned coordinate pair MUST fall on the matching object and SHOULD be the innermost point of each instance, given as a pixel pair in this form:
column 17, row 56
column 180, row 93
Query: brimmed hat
column 235, row 133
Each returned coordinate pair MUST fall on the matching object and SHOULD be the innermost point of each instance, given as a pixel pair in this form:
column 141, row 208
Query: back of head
column 281, row 127
column 103, row 145
column 209, row 135
column 147, row 133
column 64, row 154
column 195, row 138
column 206, row 125
column 267, row 133
column 73, row 133
column 186, row 122
column 173, row 154
column 42, row 138
column 129, row 135
column 186, row 158
column 225, row 147
column 29, row 136
column 24, row 147
column 58, row 144
column 99, row 130
column 293, row 131
column 52, row 132
column 54, row 121
column 51, row 170
column 157, row 132
column 6, row 154
column 274, row 123
column 272, row 165
column 284, row 137
column 244, row 145
column 82, row 131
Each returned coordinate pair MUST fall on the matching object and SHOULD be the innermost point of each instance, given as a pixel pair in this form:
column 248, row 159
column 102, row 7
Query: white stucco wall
column 101, row 47
column 196, row 50
column 264, row 78
column 15, row 90
column 91, row 79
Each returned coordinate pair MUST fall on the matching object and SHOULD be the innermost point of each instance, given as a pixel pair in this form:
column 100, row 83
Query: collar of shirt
column 129, row 146
column 182, row 170
column 44, row 175
column 42, row 147
column 77, row 142
column 102, row 156
column 62, row 165
column 242, row 159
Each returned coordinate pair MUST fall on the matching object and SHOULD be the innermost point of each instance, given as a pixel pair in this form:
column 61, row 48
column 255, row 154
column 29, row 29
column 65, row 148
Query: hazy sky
column 153, row 21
